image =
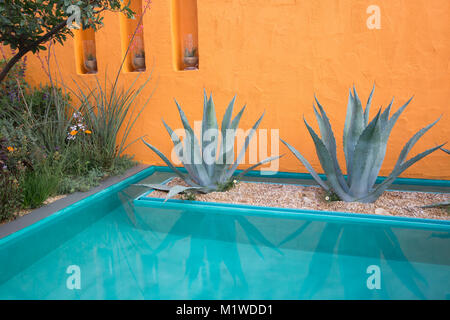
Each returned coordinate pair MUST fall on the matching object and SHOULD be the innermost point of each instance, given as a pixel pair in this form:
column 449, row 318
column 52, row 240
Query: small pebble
column 381, row 211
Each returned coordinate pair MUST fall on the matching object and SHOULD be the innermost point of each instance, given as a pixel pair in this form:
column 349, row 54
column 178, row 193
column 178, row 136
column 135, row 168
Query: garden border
column 229, row 208
column 39, row 214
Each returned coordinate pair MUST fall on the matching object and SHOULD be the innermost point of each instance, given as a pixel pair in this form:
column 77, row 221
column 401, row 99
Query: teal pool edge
column 60, row 213
column 416, row 223
column 410, row 222
column 307, row 176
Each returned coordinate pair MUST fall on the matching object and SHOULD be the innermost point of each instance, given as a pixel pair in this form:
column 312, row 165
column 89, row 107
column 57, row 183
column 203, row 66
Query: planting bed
column 397, row 203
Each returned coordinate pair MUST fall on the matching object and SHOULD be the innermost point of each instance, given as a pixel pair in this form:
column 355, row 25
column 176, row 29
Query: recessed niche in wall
column 135, row 58
column 85, row 53
column 185, row 34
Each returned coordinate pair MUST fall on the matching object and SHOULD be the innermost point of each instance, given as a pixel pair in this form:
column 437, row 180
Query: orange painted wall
column 275, row 54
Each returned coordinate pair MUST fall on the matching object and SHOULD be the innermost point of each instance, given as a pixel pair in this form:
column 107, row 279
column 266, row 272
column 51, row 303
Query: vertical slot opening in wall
column 135, row 58
column 85, row 51
column 185, row 34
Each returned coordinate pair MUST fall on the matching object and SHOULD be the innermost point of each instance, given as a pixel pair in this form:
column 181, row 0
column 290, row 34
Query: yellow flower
column 10, row 149
column 88, row 131
column 73, row 132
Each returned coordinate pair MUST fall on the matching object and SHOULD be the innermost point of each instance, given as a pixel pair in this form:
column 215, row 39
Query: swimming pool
column 127, row 250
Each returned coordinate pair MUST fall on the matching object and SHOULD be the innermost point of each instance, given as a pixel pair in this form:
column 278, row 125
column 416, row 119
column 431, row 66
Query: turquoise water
column 127, row 251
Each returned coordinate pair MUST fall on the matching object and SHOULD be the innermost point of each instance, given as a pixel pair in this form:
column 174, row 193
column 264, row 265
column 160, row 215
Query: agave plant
column 364, row 147
column 207, row 163
column 443, row 205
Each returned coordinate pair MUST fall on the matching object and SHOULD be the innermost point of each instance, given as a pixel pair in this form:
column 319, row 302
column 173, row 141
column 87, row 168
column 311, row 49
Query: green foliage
column 10, row 196
column 81, row 183
column 38, row 185
column 45, row 158
column 20, row 148
column 88, row 176
column 27, row 25
column 121, row 164
column 208, row 165
column 82, row 169
column 227, row 185
column 44, row 113
column 108, row 111
column 10, row 173
column 47, row 102
column 48, row 146
column 9, row 87
column 188, row 195
column 190, row 53
column 79, row 156
column 364, row 147
column 43, row 180
column 24, row 22
column 331, row 196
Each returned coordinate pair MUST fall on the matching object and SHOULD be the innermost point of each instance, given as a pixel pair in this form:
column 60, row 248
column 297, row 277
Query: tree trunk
column 11, row 63
column 23, row 51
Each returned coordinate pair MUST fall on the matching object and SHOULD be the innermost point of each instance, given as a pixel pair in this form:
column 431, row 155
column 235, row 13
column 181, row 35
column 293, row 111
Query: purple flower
column 13, row 96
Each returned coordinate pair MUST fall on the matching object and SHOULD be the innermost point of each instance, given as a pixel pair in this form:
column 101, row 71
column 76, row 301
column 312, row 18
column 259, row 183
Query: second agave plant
column 364, row 148
column 207, row 163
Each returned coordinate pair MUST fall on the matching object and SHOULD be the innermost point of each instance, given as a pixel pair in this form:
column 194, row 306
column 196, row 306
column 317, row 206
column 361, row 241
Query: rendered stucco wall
column 275, row 54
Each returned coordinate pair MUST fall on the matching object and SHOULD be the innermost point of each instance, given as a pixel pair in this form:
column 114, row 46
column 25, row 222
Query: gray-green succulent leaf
column 171, row 190
column 364, row 149
column 209, row 164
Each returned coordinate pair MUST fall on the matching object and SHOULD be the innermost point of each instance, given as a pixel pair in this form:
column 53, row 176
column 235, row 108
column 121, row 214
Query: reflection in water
column 339, row 253
column 138, row 252
column 439, row 235
column 213, row 238
column 381, row 244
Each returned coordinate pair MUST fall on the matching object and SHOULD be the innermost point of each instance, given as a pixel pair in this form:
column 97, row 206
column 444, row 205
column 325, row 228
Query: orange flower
column 87, row 131
column 10, row 149
column 73, row 132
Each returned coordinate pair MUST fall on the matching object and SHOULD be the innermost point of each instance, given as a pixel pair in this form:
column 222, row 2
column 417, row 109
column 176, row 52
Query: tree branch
column 22, row 51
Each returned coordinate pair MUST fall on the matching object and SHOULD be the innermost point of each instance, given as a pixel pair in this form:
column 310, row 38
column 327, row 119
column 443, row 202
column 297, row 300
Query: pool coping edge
column 46, row 211
column 55, row 209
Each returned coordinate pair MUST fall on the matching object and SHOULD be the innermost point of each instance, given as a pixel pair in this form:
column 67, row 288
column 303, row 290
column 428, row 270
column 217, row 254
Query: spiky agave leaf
column 364, row 147
column 171, row 190
column 445, row 204
column 308, row 167
column 206, row 162
column 179, row 147
column 327, row 161
column 228, row 131
column 379, row 148
column 192, row 152
column 364, row 157
column 328, row 139
column 229, row 172
column 209, row 129
column 163, row 158
column 267, row 160
column 354, row 126
column 401, row 164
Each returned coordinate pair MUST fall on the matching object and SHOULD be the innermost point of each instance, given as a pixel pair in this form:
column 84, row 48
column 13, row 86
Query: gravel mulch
column 24, row 212
column 392, row 203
